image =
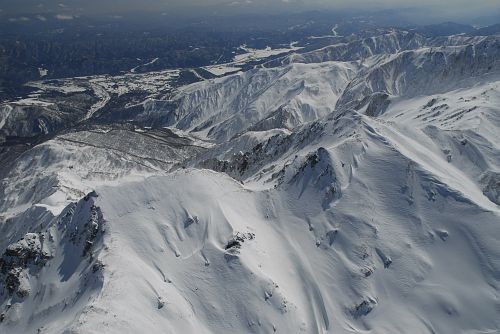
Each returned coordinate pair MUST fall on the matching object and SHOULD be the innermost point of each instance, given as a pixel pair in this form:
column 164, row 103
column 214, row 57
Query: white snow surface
column 248, row 55
column 293, row 94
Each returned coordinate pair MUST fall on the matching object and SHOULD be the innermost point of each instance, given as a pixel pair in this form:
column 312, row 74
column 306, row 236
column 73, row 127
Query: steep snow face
column 425, row 71
column 385, row 42
column 52, row 271
column 52, row 233
column 263, row 98
column 67, row 167
column 29, row 119
column 369, row 223
column 460, row 125
column 310, row 87
column 360, row 48
column 339, row 244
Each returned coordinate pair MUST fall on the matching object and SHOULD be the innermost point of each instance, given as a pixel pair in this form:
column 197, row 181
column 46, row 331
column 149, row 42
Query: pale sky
column 445, row 8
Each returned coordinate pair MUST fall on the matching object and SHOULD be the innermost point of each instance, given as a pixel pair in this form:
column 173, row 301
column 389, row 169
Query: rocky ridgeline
column 22, row 259
column 68, row 240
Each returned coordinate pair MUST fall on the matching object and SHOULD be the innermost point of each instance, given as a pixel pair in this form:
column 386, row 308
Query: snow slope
column 425, row 71
column 224, row 107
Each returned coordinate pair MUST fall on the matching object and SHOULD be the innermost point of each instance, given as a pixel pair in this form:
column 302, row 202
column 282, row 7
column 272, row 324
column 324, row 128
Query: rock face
column 491, row 186
column 377, row 104
column 67, row 248
column 21, row 259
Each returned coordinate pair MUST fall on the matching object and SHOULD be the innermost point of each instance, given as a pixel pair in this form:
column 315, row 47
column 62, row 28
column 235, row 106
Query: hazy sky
column 445, row 8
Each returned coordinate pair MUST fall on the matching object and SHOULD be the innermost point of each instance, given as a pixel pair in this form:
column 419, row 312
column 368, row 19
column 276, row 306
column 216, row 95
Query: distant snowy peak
column 312, row 85
column 359, row 47
column 426, row 71
column 261, row 99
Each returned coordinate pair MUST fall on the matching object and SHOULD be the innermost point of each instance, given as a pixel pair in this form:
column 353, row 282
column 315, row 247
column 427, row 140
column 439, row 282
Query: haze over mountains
column 40, row 6
column 326, row 176
column 424, row 11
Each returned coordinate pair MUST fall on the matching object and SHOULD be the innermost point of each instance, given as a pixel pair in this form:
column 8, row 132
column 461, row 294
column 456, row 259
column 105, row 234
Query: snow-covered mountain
column 282, row 97
column 349, row 189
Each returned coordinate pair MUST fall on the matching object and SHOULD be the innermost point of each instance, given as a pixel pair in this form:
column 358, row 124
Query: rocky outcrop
column 20, row 260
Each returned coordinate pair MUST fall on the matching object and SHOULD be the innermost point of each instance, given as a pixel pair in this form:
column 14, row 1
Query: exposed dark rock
column 431, row 103
column 238, row 239
column 232, row 244
column 90, row 195
column 98, row 266
column 189, row 221
column 491, row 186
column 331, row 235
column 379, row 102
column 25, row 254
column 363, row 308
column 443, row 234
column 161, row 303
column 367, row 271
column 91, row 229
column 386, row 260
